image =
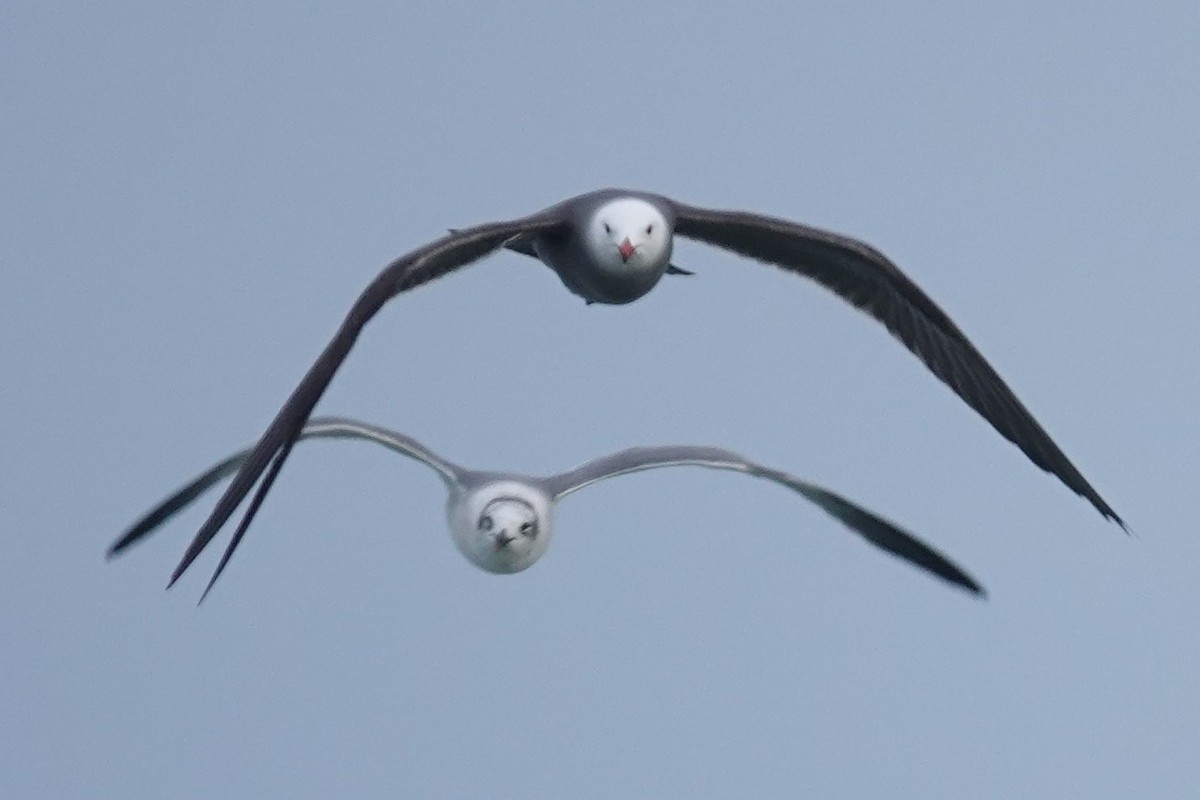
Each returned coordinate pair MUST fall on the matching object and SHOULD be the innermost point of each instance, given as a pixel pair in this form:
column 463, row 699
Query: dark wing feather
column 407, row 272
column 877, row 530
column 176, row 503
column 866, row 278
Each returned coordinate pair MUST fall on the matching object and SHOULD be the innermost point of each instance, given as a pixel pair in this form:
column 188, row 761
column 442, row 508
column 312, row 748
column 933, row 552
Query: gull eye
column 485, row 523
column 528, row 529
column 650, row 229
column 607, row 228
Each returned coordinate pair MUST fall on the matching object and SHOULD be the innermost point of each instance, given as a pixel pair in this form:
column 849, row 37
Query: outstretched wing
column 871, row 527
column 866, row 278
column 318, row 427
column 407, row 272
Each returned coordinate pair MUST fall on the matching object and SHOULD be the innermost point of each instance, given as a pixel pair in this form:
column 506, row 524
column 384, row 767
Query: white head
column 501, row 527
column 629, row 234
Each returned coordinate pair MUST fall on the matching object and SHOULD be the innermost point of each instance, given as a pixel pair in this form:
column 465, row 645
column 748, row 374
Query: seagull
column 613, row 246
column 502, row 521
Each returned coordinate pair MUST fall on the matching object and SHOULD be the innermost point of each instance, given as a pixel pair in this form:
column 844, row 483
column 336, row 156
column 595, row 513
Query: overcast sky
column 191, row 199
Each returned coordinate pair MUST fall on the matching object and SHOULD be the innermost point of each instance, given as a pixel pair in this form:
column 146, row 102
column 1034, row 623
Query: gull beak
column 626, row 249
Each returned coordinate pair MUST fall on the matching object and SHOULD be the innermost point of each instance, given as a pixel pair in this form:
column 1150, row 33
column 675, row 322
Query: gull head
column 629, row 235
column 503, row 527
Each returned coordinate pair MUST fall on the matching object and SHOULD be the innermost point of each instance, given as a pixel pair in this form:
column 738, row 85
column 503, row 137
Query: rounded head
column 501, row 527
column 629, row 234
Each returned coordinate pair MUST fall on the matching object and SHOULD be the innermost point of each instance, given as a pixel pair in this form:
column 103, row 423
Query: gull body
column 613, row 246
column 500, row 524
column 616, row 249
column 503, row 522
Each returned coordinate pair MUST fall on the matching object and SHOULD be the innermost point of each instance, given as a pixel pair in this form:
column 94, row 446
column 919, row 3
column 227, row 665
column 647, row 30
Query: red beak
column 626, row 249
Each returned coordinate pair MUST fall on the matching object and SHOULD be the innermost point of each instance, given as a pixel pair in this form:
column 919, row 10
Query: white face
column 629, row 235
column 503, row 527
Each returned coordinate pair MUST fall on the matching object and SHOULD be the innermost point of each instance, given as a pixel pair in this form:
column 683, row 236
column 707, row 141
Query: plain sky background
column 191, row 198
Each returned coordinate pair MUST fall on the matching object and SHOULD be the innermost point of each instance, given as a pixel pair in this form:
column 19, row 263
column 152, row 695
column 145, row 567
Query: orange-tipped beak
column 626, row 249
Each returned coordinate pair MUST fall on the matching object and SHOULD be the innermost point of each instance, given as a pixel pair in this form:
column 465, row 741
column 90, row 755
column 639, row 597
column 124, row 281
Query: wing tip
column 207, row 589
column 955, row 575
column 124, row 542
column 972, row 586
column 178, row 573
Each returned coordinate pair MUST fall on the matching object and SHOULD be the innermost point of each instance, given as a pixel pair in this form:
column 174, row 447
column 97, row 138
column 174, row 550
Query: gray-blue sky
column 192, row 198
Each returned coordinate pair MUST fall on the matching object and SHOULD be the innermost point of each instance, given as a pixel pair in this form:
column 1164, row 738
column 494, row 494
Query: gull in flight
column 613, row 246
column 502, row 521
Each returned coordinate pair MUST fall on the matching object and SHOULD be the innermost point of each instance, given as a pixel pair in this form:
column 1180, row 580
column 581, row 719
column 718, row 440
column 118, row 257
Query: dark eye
column 485, row 523
column 527, row 528
column 607, row 229
column 650, row 229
